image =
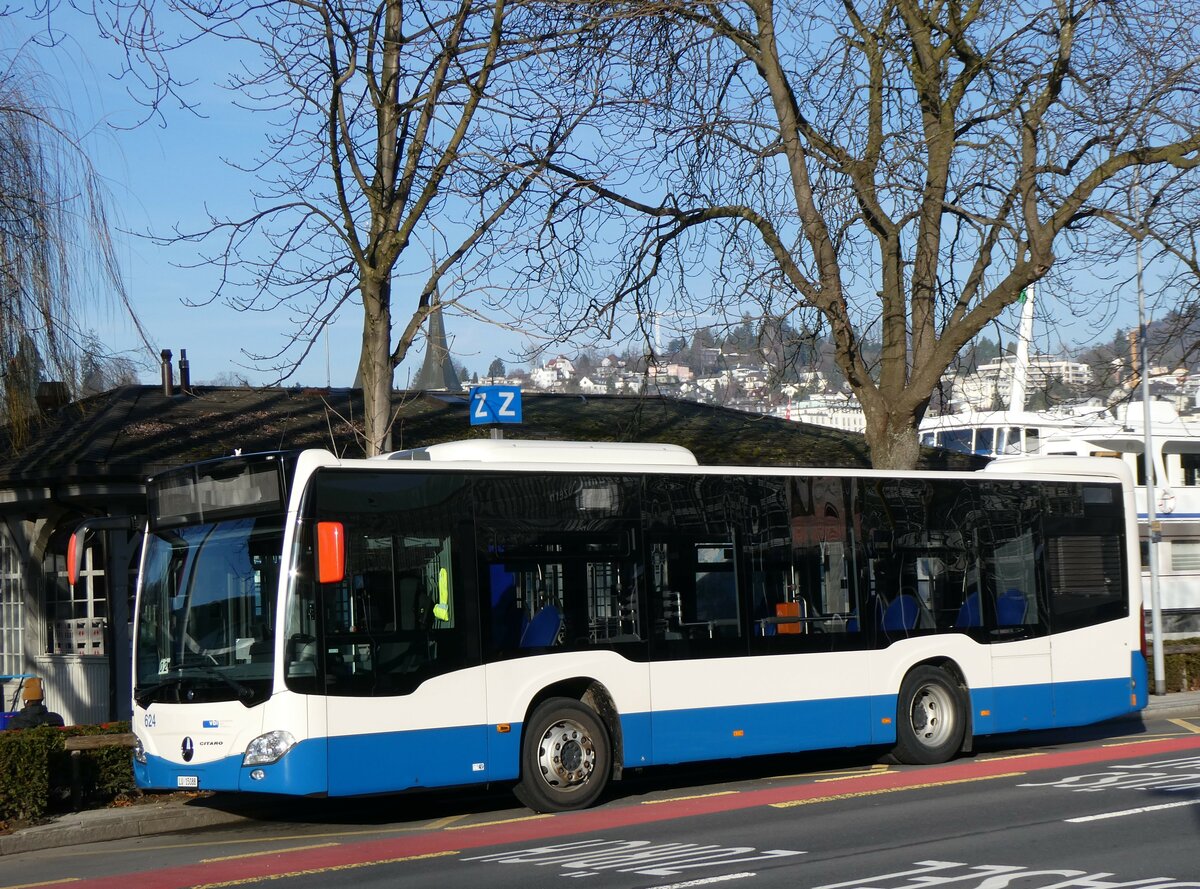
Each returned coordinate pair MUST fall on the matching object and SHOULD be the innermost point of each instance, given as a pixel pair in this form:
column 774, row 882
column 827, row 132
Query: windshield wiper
column 244, row 692
column 146, row 694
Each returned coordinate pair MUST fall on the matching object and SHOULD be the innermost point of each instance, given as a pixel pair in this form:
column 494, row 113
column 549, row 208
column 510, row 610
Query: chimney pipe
column 185, row 373
column 168, row 375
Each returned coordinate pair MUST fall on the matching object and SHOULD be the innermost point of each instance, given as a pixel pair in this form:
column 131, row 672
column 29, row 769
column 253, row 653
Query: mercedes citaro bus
column 551, row 614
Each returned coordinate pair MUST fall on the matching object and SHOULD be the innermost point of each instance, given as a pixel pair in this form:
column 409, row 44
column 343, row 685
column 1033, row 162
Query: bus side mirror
column 75, row 547
column 331, row 552
column 78, row 542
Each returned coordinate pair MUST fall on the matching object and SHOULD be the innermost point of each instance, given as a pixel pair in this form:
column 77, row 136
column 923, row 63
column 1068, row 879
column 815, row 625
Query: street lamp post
column 1153, row 529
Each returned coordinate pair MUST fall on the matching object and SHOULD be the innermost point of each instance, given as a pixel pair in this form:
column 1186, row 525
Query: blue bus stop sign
column 495, row 404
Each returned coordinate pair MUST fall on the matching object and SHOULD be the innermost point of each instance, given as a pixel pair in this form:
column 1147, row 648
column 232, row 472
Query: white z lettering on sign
column 480, row 401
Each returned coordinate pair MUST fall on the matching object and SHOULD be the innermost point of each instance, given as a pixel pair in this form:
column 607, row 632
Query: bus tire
column 930, row 717
column 566, row 757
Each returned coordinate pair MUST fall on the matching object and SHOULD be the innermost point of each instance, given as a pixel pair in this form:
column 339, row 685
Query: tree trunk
column 892, row 439
column 375, row 366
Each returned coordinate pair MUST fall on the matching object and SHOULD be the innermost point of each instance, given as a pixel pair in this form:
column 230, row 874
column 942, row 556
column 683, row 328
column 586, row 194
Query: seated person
column 34, row 713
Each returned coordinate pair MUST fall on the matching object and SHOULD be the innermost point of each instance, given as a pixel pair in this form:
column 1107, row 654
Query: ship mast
column 1016, row 394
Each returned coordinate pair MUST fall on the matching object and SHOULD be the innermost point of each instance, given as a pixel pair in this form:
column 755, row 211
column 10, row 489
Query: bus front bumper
column 302, row 771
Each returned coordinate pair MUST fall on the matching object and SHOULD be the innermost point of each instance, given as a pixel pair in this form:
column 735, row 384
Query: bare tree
column 399, row 136
column 56, row 253
column 101, row 370
column 901, row 169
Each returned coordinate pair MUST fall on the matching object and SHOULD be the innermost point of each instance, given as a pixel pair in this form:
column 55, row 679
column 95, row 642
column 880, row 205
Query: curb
column 114, row 824
column 1166, row 707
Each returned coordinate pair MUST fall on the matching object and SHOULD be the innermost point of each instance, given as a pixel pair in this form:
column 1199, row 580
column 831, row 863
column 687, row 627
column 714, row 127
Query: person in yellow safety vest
column 442, row 609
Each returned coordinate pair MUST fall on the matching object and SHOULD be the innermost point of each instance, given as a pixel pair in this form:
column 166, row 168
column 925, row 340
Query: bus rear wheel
column 565, row 757
column 930, row 717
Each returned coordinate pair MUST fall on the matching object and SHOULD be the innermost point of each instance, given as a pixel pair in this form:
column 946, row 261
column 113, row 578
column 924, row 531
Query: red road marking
column 267, row 866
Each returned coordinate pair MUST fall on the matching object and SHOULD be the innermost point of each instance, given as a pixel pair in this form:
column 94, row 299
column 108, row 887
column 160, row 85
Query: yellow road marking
column 1132, row 743
column 502, row 821
column 262, row 852
column 877, row 769
column 1184, row 723
column 322, row 870
column 882, row 771
column 444, row 822
column 1010, row 756
column 45, row 883
column 374, row 831
column 1144, row 736
column 676, row 799
column 879, row 790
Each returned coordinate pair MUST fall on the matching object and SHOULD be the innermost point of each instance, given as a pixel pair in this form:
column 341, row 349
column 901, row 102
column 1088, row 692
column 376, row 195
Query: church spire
column 437, row 372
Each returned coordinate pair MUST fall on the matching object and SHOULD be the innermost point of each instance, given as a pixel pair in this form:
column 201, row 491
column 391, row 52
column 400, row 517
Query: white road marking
column 707, row 881
column 1138, row 811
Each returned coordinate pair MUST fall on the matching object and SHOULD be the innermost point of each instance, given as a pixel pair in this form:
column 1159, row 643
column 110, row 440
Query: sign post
column 495, row 405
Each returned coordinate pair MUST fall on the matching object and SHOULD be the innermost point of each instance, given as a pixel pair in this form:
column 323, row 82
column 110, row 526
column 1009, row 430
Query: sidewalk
column 1181, row 703
column 98, row 825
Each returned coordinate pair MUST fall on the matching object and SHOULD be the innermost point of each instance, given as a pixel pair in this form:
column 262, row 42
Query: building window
column 1185, row 555
column 12, row 600
column 1191, row 469
column 75, row 617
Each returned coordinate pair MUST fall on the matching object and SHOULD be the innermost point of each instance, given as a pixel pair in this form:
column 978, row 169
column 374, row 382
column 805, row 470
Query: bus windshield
column 206, row 612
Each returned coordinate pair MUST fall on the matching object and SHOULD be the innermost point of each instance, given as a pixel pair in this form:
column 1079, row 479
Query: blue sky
column 164, row 175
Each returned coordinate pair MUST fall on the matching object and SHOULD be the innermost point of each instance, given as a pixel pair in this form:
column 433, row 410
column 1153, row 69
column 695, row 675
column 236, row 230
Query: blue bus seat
column 1010, row 608
column 902, row 613
column 543, row 629
column 971, row 613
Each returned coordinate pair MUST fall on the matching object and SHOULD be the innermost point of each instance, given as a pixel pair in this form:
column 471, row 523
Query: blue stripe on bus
column 1094, row 700
column 1141, row 682
column 374, row 763
column 749, row 730
column 377, row 763
column 1018, row 708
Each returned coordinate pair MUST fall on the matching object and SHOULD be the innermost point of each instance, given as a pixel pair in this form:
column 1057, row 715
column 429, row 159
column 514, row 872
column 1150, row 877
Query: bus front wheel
column 931, row 720
column 565, row 757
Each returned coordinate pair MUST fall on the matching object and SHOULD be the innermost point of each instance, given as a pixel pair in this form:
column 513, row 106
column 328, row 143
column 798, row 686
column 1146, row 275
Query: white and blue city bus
column 553, row 613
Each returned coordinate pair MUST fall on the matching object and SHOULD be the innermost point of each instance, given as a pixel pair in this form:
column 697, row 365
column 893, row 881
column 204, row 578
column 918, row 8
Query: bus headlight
column 139, row 750
column 268, row 748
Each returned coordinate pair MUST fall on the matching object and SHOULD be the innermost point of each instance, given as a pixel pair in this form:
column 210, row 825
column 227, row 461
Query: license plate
column 187, row 781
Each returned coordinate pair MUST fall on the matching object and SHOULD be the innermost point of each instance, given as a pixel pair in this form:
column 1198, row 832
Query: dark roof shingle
column 135, row 431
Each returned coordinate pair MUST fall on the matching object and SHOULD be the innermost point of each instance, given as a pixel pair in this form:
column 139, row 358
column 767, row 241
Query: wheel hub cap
column 566, row 755
column 932, row 716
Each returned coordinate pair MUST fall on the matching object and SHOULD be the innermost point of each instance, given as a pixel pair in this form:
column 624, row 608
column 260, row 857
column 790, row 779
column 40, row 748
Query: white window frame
column 12, row 606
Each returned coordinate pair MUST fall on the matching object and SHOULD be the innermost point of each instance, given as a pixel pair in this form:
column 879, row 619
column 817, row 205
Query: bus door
column 1092, row 645
column 700, row 678
column 1019, row 635
column 398, row 654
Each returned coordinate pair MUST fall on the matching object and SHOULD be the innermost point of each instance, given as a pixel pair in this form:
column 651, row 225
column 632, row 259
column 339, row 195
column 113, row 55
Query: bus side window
column 696, row 589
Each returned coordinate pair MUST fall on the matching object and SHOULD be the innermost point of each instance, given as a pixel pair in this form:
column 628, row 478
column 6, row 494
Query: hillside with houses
column 752, row 372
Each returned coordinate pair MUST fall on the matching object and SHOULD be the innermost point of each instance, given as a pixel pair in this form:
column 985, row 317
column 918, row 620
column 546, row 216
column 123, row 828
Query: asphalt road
column 1114, row 805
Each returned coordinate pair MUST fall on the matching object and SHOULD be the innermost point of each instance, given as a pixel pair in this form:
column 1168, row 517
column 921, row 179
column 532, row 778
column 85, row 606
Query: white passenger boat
column 1118, row 433
column 1094, row 429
